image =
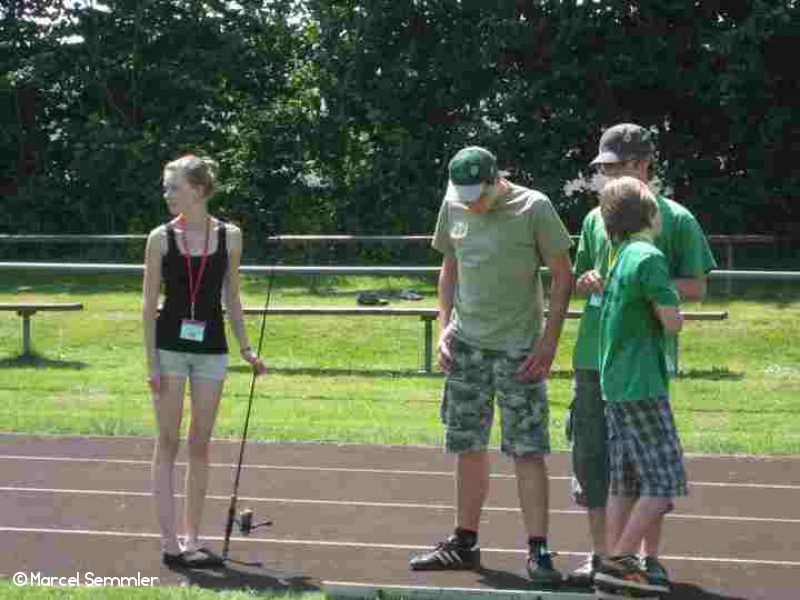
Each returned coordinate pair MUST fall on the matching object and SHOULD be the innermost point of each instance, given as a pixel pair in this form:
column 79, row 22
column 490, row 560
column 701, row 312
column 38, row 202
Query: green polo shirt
column 498, row 300
column 633, row 364
column 685, row 249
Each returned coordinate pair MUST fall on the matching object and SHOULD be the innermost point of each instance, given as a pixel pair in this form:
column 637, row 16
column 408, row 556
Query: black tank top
column 208, row 306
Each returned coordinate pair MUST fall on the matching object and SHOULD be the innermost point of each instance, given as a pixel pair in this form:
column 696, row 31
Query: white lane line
column 372, row 546
column 368, row 504
column 120, row 461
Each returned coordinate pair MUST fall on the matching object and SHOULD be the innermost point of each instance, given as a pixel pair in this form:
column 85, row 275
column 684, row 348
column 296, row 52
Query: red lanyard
column 194, row 286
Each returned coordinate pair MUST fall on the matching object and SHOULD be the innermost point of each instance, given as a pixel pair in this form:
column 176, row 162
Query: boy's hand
column 670, row 317
column 591, row 282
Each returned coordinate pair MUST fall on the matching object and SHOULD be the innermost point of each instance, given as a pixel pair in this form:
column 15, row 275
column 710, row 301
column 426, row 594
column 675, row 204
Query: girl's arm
column 151, row 289
column 233, row 299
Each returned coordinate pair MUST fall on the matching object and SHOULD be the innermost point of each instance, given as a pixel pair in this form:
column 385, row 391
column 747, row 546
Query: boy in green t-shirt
column 640, row 307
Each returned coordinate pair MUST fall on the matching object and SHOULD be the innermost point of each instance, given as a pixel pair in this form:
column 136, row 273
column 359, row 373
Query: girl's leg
column 168, row 405
column 205, row 397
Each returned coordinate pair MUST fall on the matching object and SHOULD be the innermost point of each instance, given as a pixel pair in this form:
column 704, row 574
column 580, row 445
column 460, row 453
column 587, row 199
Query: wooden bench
column 427, row 316
column 27, row 309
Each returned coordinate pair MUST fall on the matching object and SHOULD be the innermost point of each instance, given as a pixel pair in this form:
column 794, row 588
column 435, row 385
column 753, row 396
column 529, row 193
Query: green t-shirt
column 498, row 300
column 633, row 363
column 685, row 248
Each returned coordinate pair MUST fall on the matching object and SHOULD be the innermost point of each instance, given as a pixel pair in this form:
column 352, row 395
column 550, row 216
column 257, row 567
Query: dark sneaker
column 541, row 571
column 449, row 555
column 656, row 573
column 624, row 573
column 584, row 575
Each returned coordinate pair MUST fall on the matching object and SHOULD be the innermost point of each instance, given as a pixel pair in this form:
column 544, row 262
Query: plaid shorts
column 467, row 411
column 645, row 455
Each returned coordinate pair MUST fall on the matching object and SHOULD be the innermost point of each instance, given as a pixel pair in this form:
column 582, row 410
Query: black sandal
column 172, row 559
column 201, row 558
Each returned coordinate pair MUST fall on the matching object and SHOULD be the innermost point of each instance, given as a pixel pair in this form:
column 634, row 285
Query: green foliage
column 341, row 115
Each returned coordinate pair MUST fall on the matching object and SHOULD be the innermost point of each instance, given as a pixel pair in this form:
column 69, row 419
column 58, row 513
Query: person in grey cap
column 495, row 235
column 625, row 149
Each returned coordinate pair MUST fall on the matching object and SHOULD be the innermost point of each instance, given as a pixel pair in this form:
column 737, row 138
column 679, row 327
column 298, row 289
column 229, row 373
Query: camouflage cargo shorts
column 467, row 410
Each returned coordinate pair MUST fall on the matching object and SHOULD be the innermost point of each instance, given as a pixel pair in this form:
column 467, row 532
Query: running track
column 354, row 514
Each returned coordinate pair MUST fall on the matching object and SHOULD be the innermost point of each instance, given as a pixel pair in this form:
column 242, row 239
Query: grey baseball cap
column 625, row 141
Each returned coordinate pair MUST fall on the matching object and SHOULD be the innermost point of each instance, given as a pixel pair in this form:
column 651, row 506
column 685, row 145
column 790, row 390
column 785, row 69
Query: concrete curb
column 345, row 590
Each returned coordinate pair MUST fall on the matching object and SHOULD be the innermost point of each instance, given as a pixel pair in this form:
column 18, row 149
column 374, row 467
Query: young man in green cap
column 495, row 236
column 625, row 149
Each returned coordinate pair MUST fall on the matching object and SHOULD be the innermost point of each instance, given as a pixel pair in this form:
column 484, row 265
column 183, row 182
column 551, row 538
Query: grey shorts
column 645, row 454
column 586, row 433
column 208, row 367
column 467, row 410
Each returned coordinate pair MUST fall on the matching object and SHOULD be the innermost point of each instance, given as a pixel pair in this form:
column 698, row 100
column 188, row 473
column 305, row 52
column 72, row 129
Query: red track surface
column 69, row 506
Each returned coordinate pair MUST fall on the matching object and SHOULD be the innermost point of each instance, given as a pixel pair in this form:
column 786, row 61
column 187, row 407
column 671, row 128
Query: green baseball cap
column 470, row 170
column 625, row 141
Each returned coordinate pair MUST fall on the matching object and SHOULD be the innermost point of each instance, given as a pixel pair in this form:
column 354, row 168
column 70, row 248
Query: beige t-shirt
column 498, row 300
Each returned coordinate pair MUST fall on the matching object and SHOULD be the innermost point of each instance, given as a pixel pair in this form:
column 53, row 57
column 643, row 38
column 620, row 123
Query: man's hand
column 445, row 355
column 536, row 367
column 591, row 282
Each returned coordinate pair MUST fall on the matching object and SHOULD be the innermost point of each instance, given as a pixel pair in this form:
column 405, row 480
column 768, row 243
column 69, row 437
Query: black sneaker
column 541, row 571
column 449, row 555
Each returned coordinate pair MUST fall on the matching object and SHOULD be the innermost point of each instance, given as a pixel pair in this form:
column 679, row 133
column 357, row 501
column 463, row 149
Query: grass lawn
column 356, row 380
column 9, row 591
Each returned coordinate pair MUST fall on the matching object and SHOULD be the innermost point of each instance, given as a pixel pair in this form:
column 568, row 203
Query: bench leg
column 428, row 344
column 26, row 334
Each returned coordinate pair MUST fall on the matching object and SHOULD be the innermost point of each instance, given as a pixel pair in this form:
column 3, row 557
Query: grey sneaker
column 541, row 571
column 656, row 573
column 584, row 575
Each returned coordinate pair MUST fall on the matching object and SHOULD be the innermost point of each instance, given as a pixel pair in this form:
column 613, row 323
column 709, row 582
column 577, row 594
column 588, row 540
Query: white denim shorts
column 209, row 367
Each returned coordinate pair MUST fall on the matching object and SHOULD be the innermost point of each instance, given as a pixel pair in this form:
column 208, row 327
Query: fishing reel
column 245, row 522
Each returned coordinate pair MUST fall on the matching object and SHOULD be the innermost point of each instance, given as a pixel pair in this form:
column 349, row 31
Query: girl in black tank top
column 187, row 339
column 208, row 303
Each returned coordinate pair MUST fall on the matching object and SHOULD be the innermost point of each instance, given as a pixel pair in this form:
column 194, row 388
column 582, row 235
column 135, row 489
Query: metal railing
column 280, row 269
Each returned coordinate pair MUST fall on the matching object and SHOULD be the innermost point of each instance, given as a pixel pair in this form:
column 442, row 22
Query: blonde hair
column 627, row 206
column 199, row 172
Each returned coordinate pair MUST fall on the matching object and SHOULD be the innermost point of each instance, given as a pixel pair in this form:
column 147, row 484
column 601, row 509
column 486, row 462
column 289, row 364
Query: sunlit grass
column 357, row 380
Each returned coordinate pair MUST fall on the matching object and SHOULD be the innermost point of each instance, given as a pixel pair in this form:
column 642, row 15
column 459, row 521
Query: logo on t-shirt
column 459, row 230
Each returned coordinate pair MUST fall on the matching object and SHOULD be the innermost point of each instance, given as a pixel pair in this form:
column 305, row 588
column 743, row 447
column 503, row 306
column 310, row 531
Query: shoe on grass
column 449, row 555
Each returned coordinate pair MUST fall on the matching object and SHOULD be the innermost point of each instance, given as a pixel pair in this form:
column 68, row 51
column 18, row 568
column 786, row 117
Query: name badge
column 595, row 300
column 194, row 331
